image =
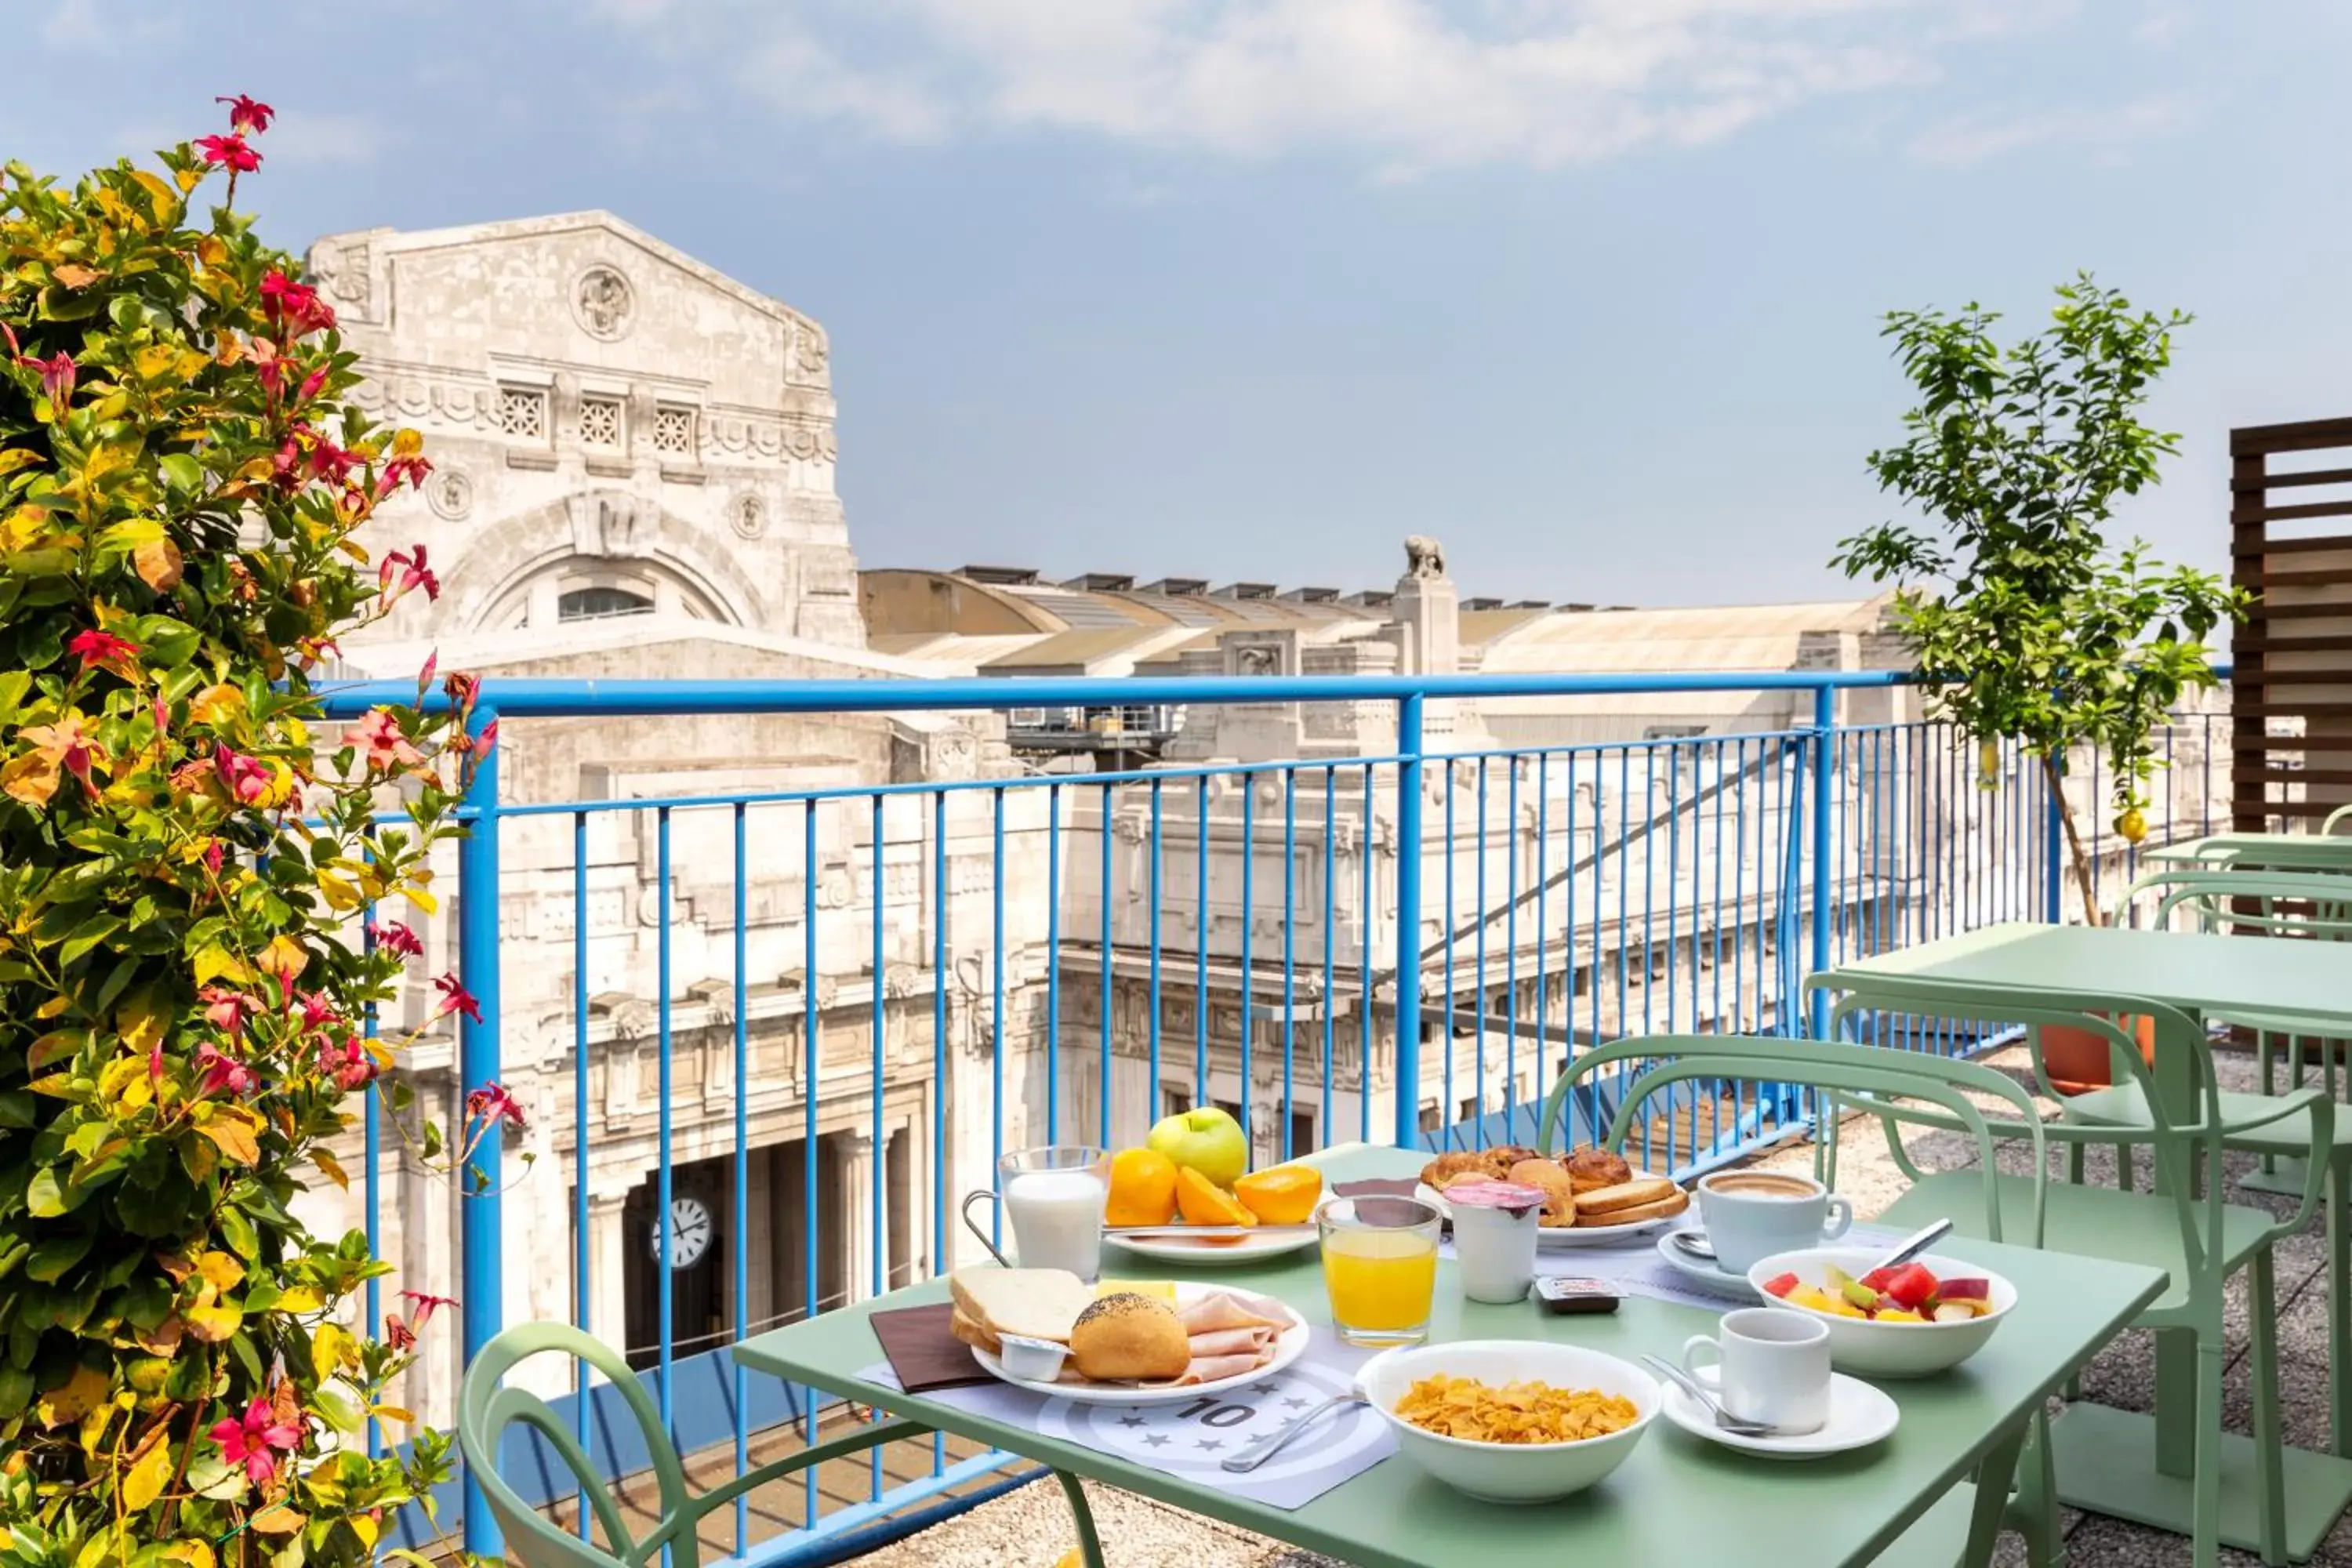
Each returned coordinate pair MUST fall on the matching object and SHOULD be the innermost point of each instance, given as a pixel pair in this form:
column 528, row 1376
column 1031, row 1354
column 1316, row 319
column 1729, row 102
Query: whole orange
column 1143, row 1188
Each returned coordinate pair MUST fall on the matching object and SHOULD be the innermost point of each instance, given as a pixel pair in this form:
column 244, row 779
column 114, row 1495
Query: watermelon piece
column 1781, row 1285
column 1913, row 1286
column 1877, row 1277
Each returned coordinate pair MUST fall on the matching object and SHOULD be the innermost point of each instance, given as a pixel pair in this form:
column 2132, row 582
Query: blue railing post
column 2053, row 843
column 482, row 1311
column 1408, row 929
column 1824, row 846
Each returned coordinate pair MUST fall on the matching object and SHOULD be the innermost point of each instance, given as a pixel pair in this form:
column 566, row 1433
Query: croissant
column 1590, row 1170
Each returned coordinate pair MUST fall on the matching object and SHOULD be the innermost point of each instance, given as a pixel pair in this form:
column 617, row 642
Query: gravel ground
column 1031, row 1528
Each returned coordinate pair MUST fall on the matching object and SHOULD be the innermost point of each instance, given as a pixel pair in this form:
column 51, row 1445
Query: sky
column 1589, row 289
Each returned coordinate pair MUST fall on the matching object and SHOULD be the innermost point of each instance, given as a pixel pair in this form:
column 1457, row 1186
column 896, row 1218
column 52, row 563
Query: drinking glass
column 1379, row 1264
column 1054, row 1197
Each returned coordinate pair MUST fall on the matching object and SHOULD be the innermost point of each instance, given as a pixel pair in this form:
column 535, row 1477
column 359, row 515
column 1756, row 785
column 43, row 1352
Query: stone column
column 861, row 1246
column 607, row 1243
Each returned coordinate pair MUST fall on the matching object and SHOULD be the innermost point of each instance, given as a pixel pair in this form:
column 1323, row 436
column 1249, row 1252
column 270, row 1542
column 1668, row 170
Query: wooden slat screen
column 2291, row 699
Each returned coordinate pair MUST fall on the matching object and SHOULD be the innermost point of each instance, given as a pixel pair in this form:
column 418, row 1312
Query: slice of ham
column 1231, row 1341
column 1228, row 1338
column 1222, row 1310
column 1217, row 1368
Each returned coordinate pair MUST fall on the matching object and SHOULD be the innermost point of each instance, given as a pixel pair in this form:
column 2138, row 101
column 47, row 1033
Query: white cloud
column 1408, row 86
column 1982, row 135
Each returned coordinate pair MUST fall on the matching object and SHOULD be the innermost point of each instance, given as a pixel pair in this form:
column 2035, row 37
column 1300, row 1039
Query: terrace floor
column 1030, row 1528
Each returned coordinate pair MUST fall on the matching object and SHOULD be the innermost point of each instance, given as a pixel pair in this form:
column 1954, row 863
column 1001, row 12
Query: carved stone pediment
column 612, row 523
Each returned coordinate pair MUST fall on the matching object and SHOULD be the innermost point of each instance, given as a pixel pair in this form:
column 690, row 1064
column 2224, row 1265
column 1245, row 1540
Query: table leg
column 1090, row 1544
column 1993, row 1476
column 2339, row 1315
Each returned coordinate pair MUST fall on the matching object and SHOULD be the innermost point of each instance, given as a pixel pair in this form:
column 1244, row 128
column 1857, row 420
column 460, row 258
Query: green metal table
column 1676, row 1500
column 2122, row 1463
column 2257, row 852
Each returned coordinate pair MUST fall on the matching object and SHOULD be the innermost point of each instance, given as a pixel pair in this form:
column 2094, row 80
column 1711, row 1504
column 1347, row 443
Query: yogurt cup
column 1032, row 1360
column 1494, row 1237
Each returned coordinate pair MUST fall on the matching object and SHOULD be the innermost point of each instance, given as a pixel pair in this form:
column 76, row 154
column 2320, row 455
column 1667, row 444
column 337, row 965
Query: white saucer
column 1860, row 1415
column 1713, row 1278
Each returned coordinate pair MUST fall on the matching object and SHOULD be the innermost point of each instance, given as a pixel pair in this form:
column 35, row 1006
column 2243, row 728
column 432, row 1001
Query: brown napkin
column 922, row 1352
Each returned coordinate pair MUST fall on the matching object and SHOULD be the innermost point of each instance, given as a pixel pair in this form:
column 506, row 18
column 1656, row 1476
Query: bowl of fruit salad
column 1914, row 1321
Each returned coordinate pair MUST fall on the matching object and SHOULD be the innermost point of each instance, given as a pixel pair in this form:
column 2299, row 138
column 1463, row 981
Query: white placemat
column 1636, row 1269
column 1191, row 1440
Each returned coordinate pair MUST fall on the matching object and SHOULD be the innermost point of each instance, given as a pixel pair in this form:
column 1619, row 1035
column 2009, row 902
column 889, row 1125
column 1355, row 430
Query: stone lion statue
column 1423, row 556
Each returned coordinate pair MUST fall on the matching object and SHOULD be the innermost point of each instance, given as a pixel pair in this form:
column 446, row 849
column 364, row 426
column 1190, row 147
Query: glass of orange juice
column 1379, row 1263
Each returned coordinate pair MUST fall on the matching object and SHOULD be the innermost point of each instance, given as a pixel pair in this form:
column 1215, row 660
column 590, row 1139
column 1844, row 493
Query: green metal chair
column 2022, row 1493
column 2182, row 1226
column 485, row 1409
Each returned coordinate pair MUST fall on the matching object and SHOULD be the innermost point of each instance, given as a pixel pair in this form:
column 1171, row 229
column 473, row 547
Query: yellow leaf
column 74, row 275
column 416, row 895
column 146, row 1480
column 72, row 1399
column 340, row 894
column 140, row 1022
column 31, row 778
column 393, row 1413
column 216, row 704
column 235, row 1139
column 333, row 1167
column 362, row 1525
column 53, row 1046
column 52, row 1008
column 156, row 361
column 220, row 1270
column 277, row 1520
column 284, row 957
column 105, row 1544
column 213, row 1325
column 16, row 458
column 158, row 565
column 218, row 963
column 301, row 1299
column 194, row 1554
column 329, row 1343
column 125, row 1081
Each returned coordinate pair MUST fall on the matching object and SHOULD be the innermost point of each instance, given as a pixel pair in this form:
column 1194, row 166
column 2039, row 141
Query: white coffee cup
column 1752, row 1215
column 1766, row 1365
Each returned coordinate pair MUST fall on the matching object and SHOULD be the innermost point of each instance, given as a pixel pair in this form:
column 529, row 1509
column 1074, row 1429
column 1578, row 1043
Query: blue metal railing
column 1678, row 881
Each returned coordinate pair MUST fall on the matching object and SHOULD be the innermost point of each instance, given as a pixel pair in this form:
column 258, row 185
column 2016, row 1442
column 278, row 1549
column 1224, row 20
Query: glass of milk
column 1054, row 1198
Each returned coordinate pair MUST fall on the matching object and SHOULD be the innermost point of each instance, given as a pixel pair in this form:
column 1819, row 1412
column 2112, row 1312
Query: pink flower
column 100, row 650
column 247, row 116
column 408, row 462
column 226, row 1010
column 455, row 998
column 223, row 1074
column 248, row 779
column 57, row 376
column 412, row 572
column 256, row 1441
column 394, row 937
column 295, row 306
column 316, row 1008
column 213, row 856
column 486, row 742
column 425, row 1305
column 230, row 152
column 397, row 1333
column 347, row 1063
column 491, row 1103
column 379, row 736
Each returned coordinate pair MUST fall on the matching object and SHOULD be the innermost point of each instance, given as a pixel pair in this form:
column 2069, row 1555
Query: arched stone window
column 601, row 604
column 577, row 590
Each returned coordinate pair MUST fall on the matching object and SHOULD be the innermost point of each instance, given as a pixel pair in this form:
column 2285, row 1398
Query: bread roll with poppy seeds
column 1127, row 1337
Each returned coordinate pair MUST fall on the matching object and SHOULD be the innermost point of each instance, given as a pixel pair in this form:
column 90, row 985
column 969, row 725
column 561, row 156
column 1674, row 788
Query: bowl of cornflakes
column 1513, row 1421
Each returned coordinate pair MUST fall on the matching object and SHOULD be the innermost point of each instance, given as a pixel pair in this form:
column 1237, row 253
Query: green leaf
column 51, row 1258
column 44, row 1195
column 181, row 474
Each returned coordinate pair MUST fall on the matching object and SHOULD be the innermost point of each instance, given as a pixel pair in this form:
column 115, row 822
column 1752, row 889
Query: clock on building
column 690, row 1228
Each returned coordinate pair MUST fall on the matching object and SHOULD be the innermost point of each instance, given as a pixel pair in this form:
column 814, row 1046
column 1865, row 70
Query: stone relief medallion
column 602, row 302
column 748, row 513
column 450, row 492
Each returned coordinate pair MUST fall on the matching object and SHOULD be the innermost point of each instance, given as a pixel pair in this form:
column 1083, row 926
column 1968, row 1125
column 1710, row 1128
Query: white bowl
column 1868, row 1349
column 1512, row 1472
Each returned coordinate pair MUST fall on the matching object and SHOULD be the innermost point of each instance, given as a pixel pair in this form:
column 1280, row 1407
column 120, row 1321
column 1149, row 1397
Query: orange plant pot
column 2077, row 1060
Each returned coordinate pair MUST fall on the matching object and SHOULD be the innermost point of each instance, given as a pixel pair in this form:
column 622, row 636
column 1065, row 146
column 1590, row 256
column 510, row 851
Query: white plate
column 1560, row 1238
column 1213, row 1253
column 1710, row 1278
column 1288, row 1348
column 1860, row 1415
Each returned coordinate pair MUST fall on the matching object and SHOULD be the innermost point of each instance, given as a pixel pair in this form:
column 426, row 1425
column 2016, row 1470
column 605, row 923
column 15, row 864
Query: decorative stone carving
column 1257, row 658
column 610, row 524
column 899, row 980
column 836, row 888
column 748, row 514
column 450, row 493
column 344, row 273
column 603, row 303
column 1424, row 557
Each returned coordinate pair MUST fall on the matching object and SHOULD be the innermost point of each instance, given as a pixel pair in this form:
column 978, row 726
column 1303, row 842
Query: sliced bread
column 1037, row 1303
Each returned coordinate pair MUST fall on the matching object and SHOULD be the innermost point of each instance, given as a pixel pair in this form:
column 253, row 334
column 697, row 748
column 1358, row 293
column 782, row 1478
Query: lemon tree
column 2025, row 621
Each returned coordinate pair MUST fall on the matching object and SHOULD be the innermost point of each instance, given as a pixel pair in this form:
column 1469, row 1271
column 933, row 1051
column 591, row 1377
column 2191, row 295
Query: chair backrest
column 1864, row 1073
column 2309, row 903
column 2183, row 1127
column 486, row 1408
column 2338, row 819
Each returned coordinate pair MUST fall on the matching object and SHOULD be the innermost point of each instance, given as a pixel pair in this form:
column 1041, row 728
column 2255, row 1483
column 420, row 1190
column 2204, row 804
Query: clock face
column 690, row 1230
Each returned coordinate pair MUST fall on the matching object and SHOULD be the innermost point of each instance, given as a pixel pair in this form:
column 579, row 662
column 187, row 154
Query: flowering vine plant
column 199, row 890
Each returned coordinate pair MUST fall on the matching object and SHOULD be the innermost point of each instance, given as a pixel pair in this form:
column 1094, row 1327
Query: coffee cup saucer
column 1860, row 1415
column 1710, row 1277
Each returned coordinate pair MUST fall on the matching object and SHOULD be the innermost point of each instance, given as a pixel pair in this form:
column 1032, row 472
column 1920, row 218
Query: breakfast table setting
column 1385, row 1358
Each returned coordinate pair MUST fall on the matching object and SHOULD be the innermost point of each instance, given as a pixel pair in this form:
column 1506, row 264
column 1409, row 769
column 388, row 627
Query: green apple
column 1207, row 1141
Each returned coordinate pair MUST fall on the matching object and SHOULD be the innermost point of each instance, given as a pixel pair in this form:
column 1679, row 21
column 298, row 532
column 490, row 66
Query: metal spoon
column 1913, row 1246
column 1274, row 1443
column 1725, row 1419
column 1695, row 1244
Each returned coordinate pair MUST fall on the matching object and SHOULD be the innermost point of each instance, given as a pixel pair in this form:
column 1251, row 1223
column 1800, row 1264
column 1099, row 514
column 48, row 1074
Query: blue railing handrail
column 527, row 698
